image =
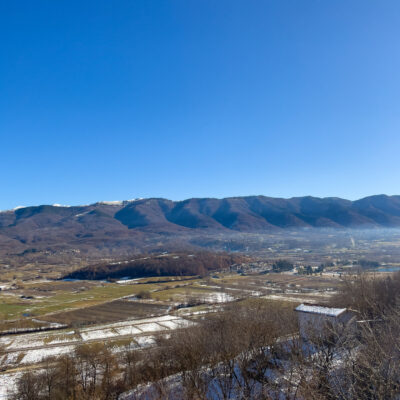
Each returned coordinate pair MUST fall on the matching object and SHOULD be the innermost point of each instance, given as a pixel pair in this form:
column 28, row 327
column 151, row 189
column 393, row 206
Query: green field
column 61, row 297
column 88, row 302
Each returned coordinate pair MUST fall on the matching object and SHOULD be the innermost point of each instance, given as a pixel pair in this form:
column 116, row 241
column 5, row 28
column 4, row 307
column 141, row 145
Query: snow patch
column 217, row 297
column 145, row 341
column 118, row 202
column 38, row 355
column 7, row 384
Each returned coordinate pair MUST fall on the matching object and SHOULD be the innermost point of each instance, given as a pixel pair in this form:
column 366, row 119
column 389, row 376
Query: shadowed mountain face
column 259, row 213
column 131, row 224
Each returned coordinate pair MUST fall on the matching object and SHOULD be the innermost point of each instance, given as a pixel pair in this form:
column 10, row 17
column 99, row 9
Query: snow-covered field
column 33, row 348
column 38, row 355
column 25, row 349
column 294, row 299
column 217, row 297
column 128, row 281
column 7, row 382
column 40, row 339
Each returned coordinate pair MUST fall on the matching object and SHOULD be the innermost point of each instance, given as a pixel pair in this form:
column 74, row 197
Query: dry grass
column 108, row 312
column 93, row 301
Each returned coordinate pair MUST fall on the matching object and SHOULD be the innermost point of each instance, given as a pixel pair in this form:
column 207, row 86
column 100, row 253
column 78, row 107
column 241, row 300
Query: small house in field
column 314, row 319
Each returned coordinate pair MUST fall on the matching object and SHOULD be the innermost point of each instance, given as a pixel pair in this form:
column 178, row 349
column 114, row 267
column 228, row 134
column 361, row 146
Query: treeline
column 199, row 360
column 282, row 265
column 249, row 351
column 367, row 264
column 176, row 264
column 371, row 296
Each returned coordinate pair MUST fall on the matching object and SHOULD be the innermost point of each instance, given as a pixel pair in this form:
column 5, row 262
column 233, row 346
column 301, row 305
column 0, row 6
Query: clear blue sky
column 104, row 100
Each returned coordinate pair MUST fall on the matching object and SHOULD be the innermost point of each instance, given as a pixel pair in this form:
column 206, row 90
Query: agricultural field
column 26, row 351
column 26, row 300
column 50, row 317
column 112, row 311
column 41, row 303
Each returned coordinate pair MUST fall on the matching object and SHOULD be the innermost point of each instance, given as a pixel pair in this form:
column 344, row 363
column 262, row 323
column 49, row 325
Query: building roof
column 328, row 311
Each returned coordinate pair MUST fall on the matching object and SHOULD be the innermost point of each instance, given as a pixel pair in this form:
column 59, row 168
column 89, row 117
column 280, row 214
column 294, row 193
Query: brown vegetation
column 50, row 235
column 372, row 295
column 250, row 351
column 176, row 264
column 113, row 311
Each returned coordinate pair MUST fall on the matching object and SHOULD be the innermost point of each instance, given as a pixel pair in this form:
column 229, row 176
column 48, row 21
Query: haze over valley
column 128, row 227
column 260, row 257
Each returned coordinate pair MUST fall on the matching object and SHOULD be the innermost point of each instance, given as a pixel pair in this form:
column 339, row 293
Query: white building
column 314, row 319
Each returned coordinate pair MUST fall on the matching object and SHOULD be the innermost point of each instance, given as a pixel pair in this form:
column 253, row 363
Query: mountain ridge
column 128, row 224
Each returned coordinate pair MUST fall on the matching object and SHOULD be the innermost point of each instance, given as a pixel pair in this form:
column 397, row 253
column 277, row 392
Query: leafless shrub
column 249, row 351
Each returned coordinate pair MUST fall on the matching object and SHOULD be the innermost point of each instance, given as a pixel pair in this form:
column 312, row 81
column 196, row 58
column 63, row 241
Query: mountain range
column 131, row 224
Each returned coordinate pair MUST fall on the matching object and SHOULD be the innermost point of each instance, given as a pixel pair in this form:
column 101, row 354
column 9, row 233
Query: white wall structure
column 314, row 319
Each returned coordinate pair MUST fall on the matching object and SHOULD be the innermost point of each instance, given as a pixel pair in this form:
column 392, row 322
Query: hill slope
column 112, row 228
column 176, row 264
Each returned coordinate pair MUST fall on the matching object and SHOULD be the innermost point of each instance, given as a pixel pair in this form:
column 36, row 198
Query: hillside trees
column 282, row 265
column 250, row 350
column 177, row 264
column 370, row 295
column 90, row 373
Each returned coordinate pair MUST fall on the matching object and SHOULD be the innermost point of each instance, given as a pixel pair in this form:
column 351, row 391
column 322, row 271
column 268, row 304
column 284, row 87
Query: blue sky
column 103, row 100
